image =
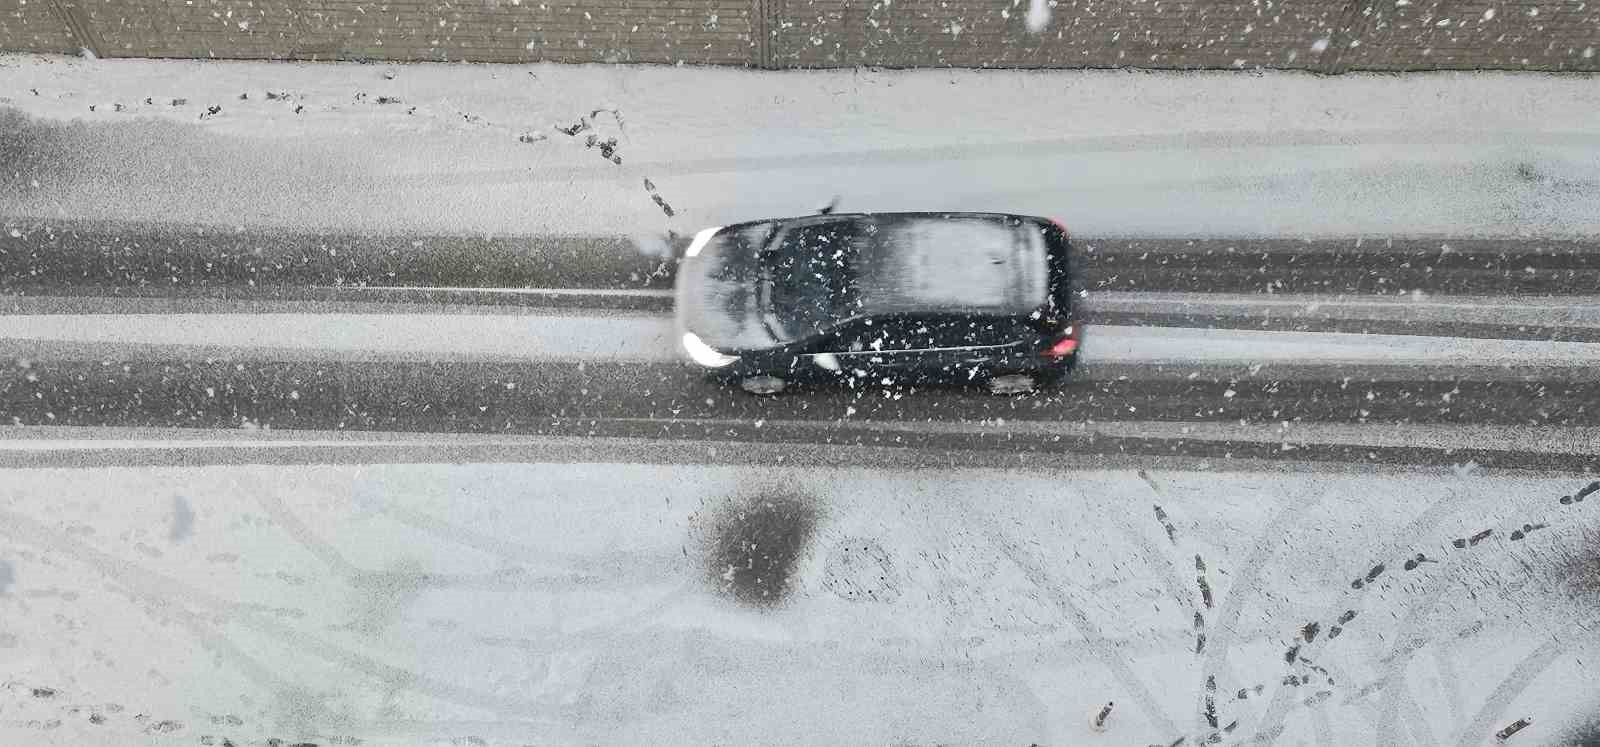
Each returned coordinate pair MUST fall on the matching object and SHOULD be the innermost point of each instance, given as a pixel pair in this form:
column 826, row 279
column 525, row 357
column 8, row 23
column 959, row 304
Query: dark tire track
column 38, row 256
column 674, row 403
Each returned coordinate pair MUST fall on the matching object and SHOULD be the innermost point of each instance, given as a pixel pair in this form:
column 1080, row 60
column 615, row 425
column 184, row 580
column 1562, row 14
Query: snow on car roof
column 924, row 264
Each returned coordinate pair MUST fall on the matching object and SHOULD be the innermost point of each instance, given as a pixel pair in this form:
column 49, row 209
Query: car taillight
column 1066, row 345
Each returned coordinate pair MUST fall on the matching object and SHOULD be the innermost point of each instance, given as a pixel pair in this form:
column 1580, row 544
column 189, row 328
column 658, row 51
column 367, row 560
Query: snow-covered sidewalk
column 563, row 604
column 479, row 148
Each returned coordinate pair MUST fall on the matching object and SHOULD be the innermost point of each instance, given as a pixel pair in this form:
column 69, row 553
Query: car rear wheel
column 762, row 384
column 1013, row 384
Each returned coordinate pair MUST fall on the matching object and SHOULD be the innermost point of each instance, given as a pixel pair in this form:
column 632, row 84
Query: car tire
column 1054, row 377
column 1012, row 384
column 763, row 384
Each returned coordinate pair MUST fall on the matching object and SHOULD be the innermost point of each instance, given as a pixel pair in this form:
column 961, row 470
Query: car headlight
column 701, row 353
column 700, row 241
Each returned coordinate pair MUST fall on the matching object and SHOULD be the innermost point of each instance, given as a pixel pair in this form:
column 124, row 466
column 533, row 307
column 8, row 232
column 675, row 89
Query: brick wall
column 1321, row 35
column 33, row 26
column 1467, row 34
column 694, row 31
column 1082, row 33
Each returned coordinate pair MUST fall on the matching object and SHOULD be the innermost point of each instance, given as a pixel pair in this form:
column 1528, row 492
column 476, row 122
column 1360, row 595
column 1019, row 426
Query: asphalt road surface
column 1529, row 291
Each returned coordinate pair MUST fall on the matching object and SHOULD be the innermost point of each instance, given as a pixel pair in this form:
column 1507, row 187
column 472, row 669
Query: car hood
column 718, row 298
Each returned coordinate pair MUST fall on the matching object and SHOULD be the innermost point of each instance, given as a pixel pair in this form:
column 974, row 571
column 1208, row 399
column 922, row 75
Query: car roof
column 892, row 214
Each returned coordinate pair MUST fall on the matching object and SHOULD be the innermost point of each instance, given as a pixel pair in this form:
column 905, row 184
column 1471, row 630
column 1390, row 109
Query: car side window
column 874, row 336
column 966, row 332
column 902, row 334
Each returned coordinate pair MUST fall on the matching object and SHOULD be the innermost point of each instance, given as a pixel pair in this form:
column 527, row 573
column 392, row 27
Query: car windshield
column 813, row 270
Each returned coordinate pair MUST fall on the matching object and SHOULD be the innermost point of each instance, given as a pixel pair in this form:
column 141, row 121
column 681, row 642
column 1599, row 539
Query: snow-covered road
column 649, row 339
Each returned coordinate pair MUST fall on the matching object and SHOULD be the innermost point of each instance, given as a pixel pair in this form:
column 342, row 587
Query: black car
column 881, row 298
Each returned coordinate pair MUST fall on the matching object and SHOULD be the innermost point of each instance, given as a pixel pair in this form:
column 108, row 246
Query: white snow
column 1110, row 153
column 561, row 337
column 1038, row 15
column 955, row 264
column 546, row 603
column 1574, row 440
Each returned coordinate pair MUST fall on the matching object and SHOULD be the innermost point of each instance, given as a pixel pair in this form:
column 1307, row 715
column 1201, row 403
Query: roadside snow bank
column 640, row 150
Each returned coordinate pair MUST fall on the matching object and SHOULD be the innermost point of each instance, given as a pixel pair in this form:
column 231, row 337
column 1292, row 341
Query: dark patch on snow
column 1412, row 563
column 44, row 692
column 1200, row 580
column 755, row 542
column 1586, row 734
column 650, row 187
column 665, row 208
column 380, row 599
column 1512, row 728
column 1161, row 516
column 1527, row 529
column 36, row 153
column 1578, row 497
column 165, row 727
column 1371, row 576
column 1580, row 570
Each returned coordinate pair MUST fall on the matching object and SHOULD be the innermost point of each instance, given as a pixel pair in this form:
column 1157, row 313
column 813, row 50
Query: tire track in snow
column 1409, row 639
column 1245, row 584
column 1407, row 646
column 165, row 591
column 1177, row 589
column 302, row 533
column 1270, row 726
column 1445, row 661
column 1530, row 667
column 1119, row 668
column 1421, row 734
